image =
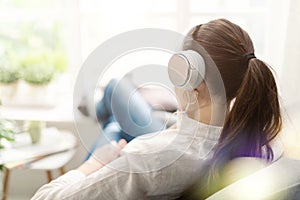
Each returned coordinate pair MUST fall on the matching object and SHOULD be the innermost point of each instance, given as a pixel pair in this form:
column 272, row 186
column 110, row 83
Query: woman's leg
column 131, row 111
column 124, row 113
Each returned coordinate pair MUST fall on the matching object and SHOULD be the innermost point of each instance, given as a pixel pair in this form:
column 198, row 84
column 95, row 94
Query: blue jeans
column 124, row 114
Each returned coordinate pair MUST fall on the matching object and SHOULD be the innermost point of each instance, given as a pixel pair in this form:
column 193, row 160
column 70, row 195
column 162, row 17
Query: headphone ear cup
column 187, row 69
column 178, row 70
column 195, row 79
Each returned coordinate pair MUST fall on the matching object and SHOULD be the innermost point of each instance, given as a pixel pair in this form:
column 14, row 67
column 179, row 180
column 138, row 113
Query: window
column 103, row 19
column 33, row 42
column 67, row 31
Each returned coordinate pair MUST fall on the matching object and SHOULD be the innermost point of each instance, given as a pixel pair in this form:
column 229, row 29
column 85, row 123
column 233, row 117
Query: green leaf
column 7, row 134
column 6, row 131
column 8, row 74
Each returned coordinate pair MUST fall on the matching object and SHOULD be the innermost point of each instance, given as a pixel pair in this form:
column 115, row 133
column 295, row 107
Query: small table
column 55, row 149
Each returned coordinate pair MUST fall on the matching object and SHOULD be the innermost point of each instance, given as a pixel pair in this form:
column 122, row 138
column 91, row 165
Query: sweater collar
column 187, row 125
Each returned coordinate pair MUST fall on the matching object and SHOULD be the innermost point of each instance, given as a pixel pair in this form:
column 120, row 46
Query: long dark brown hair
column 254, row 118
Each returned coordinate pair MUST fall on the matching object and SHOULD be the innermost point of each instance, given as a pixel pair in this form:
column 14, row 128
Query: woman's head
column 227, row 44
column 254, row 119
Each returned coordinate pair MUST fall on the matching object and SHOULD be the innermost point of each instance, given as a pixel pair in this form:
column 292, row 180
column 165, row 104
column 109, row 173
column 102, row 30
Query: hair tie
column 249, row 56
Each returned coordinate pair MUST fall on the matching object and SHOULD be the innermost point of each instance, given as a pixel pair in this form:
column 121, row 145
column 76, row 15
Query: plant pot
column 37, row 95
column 8, row 91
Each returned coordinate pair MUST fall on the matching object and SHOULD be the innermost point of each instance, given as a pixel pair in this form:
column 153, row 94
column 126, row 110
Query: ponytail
column 251, row 124
column 254, row 119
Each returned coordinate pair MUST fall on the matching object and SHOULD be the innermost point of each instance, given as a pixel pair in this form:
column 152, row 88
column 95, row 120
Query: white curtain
column 290, row 72
column 284, row 50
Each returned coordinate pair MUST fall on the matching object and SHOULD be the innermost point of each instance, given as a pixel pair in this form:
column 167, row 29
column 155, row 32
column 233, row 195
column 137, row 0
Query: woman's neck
column 208, row 114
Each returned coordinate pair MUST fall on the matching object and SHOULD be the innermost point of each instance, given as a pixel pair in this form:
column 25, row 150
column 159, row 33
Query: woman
column 162, row 165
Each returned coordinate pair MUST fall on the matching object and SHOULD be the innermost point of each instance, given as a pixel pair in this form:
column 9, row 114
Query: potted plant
column 6, row 134
column 9, row 77
column 6, row 130
column 37, row 72
column 37, row 68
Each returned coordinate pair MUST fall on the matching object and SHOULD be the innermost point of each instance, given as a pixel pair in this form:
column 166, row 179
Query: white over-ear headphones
column 186, row 69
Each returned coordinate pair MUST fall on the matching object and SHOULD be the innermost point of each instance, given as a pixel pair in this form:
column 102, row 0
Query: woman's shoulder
column 151, row 142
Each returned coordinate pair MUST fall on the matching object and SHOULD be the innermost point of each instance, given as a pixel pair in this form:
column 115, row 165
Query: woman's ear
column 203, row 95
column 194, row 96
